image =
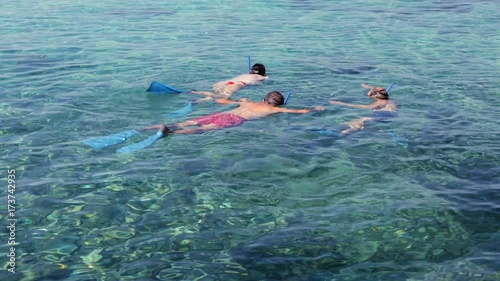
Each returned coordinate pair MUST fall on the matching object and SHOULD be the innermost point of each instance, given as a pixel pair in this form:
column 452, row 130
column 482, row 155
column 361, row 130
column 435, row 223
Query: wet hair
column 379, row 93
column 258, row 68
column 274, row 98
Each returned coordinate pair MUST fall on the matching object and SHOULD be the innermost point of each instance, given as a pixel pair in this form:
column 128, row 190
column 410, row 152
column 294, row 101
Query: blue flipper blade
column 181, row 112
column 140, row 145
column 397, row 139
column 326, row 132
column 159, row 88
column 101, row 142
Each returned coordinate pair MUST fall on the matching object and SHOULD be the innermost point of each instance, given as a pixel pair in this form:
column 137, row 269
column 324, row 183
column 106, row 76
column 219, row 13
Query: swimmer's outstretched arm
column 370, row 106
column 371, row 88
column 366, row 86
column 300, row 111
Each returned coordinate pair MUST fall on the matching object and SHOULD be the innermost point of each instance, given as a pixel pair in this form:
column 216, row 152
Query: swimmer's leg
column 227, row 90
column 160, row 127
column 203, row 99
column 174, row 128
column 355, row 125
column 219, row 88
column 187, row 123
column 180, row 128
column 208, row 94
column 200, row 129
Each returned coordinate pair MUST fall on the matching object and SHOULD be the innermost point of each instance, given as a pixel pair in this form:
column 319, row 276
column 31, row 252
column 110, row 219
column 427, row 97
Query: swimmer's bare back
column 256, row 110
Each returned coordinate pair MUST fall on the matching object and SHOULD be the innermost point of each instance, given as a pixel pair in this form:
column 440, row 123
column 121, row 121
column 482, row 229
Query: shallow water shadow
column 353, row 71
column 290, row 252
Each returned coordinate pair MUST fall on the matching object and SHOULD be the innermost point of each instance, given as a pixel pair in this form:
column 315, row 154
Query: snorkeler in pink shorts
column 246, row 110
column 220, row 119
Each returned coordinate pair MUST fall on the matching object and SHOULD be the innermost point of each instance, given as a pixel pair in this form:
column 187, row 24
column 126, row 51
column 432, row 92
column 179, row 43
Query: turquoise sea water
column 259, row 201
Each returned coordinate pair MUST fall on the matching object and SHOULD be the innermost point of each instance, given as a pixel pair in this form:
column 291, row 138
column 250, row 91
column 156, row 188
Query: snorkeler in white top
column 382, row 108
column 225, row 89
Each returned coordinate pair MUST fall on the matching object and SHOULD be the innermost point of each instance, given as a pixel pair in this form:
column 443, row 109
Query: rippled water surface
column 415, row 198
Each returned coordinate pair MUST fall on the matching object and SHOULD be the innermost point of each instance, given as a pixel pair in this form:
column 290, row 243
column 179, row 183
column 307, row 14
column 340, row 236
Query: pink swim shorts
column 220, row 119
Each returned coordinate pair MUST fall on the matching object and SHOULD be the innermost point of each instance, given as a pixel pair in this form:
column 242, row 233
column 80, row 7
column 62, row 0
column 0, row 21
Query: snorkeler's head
column 258, row 68
column 378, row 93
column 274, row 98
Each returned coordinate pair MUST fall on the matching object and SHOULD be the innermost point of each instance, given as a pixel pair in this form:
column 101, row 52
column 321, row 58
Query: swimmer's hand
column 244, row 100
column 319, row 108
column 366, row 86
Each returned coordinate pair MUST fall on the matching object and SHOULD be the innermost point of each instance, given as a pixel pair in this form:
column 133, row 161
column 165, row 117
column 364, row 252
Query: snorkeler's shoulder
column 392, row 103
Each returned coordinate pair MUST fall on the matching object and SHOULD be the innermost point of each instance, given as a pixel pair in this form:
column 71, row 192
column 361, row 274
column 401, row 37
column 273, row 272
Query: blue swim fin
column 159, row 88
column 326, row 132
column 101, row 142
column 396, row 139
column 140, row 145
column 181, row 112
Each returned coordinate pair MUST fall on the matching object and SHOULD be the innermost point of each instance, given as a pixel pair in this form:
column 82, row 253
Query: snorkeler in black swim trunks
column 382, row 108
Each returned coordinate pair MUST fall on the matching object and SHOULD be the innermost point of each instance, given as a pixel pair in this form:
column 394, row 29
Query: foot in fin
column 143, row 144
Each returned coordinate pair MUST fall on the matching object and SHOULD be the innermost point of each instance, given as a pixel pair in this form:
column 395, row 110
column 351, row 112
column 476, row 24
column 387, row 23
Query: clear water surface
column 269, row 200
